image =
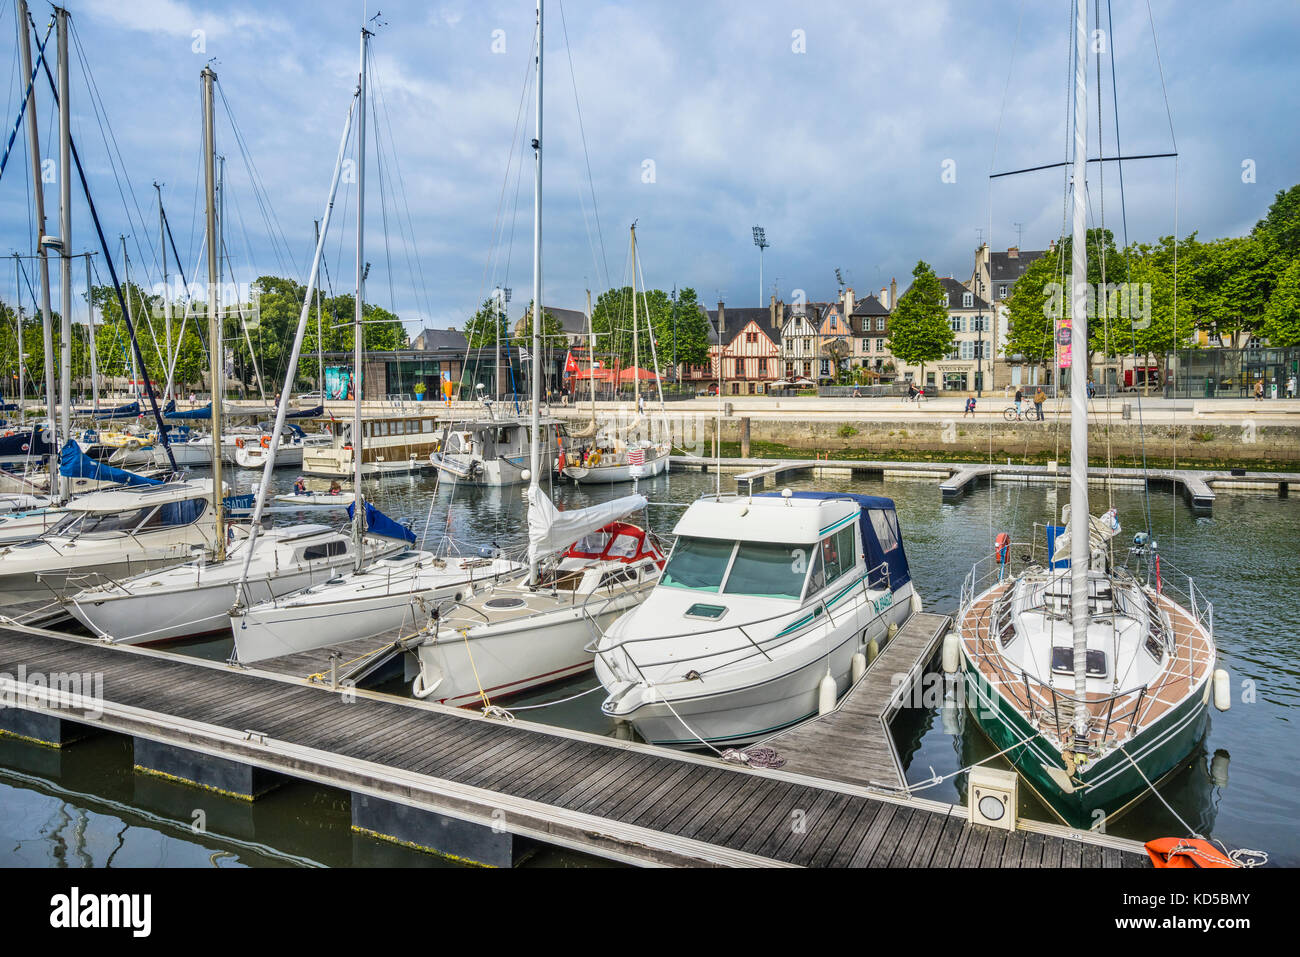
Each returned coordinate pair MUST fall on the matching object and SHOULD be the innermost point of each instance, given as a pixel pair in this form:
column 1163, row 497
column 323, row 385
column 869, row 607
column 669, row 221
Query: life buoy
column 1002, row 547
column 1186, row 852
column 239, row 443
column 266, row 441
column 559, row 465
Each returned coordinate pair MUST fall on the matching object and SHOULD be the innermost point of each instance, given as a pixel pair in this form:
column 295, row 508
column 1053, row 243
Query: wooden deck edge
column 547, row 823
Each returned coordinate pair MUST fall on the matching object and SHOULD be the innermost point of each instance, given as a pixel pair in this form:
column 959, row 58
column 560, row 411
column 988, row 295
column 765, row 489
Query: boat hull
column 1106, row 786
column 765, row 704
column 608, row 474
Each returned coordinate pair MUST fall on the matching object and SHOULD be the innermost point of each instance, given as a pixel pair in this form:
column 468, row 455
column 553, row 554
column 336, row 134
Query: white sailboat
column 764, row 599
column 1094, row 681
column 196, row 598
column 585, row 566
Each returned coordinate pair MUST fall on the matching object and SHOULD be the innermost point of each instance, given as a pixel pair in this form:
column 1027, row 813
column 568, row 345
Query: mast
column 1079, row 515
column 636, row 341
column 320, row 349
column 591, row 358
column 94, row 348
column 126, row 274
column 18, row 315
column 358, row 500
column 216, row 355
column 38, row 195
column 535, row 451
column 167, row 296
column 65, row 245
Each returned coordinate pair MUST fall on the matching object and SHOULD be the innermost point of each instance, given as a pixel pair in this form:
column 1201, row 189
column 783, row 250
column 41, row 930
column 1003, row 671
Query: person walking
column 1020, row 397
column 1259, row 391
column 1092, row 389
column 1039, row 398
column 970, row 407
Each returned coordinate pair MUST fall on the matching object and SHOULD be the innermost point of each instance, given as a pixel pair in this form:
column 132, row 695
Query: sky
column 859, row 135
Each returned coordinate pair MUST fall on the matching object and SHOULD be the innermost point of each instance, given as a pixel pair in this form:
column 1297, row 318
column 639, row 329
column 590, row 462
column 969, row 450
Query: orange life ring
column 1186, row 852
column 239, row 443
column 266, row 441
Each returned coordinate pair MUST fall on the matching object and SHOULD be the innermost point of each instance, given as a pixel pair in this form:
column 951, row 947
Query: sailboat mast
column 359, row 513
column 216, row 355
column 591, row 357
column 94, row 347
column 1079, row 515
column 636, row 340
column 535, row 450
column 65, row 244
column 167, row 297
column 320, row 347
column 18, row 315
column 38, row 196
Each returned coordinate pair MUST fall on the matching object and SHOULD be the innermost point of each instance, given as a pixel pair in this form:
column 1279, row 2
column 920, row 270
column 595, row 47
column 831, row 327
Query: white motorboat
column 641, row 460
column 108, row 536
column 253, row 454
column 761, row 600
column 494, row 452
column 388, row 596
column 518, row 634
column 195, row 598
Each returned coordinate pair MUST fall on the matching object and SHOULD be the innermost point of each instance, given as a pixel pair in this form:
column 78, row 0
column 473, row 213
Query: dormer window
column 945, row 300
column 967, row 300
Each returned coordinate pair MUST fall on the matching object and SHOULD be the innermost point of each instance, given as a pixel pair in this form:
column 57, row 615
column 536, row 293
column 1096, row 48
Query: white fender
column 1222, row 689
column 951, row 653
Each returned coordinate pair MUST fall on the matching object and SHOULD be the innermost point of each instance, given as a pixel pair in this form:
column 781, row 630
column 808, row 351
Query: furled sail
column 551, row 531
column 74, row 463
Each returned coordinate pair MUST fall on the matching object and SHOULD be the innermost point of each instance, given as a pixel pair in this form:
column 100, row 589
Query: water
column 86, row 807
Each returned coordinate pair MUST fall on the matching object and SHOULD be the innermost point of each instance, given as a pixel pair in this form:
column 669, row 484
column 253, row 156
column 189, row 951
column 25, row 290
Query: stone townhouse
column 993, row 279
column 967, row 368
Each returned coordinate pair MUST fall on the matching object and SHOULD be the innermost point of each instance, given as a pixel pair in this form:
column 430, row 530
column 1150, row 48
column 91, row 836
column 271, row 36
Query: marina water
column 86, row 806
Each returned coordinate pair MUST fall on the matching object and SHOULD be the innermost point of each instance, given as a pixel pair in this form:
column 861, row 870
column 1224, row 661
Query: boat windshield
column 89, row 523
column 767, row 570
column 698, row 563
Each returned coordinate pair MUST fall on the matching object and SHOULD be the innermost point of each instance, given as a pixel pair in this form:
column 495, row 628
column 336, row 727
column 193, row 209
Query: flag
column 570, row 364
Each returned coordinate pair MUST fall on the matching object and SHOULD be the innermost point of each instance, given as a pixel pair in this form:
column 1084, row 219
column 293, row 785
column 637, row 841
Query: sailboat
column 1095, row 682
column 631, row 457
column 585, row 566
column 196, row 598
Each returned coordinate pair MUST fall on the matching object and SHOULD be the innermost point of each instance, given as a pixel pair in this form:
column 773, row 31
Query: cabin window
column 1063, row 661
column 817, row 577
column 623, row 546
column 86, row 523
column 837, row 554
column 885, row 525
column 768, row 570
column 324, row 550
column 710, row 612
column 186, row 512
column 426, row 425
column 698, row 563
column 620, row 575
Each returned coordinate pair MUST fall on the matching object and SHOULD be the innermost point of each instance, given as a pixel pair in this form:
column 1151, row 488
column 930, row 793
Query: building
column 800, row 341
column 751, row 347
column 993, row 279
column 869, row 323
column 967, row 368
column 433, row 355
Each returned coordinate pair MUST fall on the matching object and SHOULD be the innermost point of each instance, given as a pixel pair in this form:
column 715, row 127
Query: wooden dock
column 853, row 744
column 466, row 785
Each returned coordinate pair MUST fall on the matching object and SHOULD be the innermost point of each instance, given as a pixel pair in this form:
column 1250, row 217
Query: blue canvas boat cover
column 204, row 412
column 882, row 540
column 380, row 524
column 74, row 463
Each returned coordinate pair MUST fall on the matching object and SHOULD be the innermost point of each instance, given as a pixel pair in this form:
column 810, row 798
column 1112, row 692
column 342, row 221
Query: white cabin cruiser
column 390, row 595
column 494, row 451
column 252, row 454
column 513, row 636
column 762, row 597
column 107, row 536
column 195, row 598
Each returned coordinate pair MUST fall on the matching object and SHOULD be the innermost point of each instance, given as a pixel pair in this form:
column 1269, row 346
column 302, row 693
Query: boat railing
column 1045, row 699
column 988, row 571
column 745, row 645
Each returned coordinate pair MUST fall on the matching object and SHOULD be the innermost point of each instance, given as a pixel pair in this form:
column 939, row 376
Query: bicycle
column 1012, row 414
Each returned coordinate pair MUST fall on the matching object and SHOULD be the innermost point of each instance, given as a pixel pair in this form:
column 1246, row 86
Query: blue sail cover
column 380, row 524
column 32, row 442
column 316, row 412
column 1053, row 533
column 129, row 411
column 204, row 412
column 74, row 463
column 882, row 539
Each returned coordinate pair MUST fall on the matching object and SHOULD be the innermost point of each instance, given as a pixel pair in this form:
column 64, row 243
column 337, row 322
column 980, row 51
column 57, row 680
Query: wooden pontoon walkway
column 618, row 799
column 853, row 744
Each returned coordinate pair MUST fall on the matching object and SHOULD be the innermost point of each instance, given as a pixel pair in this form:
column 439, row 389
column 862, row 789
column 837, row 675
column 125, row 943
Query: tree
column 487, row 326
column 1282, row 317
column 838, row 350
column 692, row 329
column 919, row 330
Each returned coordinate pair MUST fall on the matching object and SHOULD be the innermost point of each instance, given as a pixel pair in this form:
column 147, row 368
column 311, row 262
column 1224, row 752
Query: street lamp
column 760, row 240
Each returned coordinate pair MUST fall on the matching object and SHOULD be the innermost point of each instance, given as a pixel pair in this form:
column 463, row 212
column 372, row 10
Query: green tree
column 1282, row 317
column 692, row 329
column 486, row 326
column 919, row 331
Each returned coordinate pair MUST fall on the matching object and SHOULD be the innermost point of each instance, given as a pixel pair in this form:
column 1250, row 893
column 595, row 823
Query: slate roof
column 1005, row 268
column 437, row 340
column 738, row 317
column 956, row 290
column 870, row 306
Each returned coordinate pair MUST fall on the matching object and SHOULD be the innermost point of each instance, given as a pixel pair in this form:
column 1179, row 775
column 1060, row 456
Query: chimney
column 722, row 320
column 884, row 297
column 1013, row 252
column 893, row 294
column 850, row 302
